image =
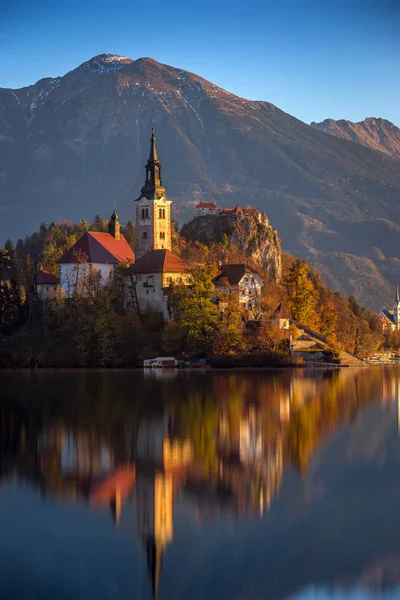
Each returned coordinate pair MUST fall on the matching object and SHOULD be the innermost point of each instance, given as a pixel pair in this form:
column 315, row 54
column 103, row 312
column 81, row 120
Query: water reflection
column 205, row 448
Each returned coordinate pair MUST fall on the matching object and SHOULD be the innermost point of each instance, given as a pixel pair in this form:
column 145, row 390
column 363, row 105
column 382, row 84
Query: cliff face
column 253, row 239
column 378, row 134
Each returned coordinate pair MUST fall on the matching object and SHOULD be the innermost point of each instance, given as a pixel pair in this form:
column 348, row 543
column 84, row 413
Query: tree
column 302, row 296
column 194, row 311
column 130, row 234
column 82, row 228
column 229, row 338
column 97, row 225
column 269, row 337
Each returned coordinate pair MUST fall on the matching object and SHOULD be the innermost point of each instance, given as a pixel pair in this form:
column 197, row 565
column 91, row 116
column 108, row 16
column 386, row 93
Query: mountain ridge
column 374, row 132
column 75, row 144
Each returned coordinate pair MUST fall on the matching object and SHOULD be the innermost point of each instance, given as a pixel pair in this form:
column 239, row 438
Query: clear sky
column 312, row 58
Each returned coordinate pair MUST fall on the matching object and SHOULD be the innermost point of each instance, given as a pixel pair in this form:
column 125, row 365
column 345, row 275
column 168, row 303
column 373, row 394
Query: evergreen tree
column 97, row 225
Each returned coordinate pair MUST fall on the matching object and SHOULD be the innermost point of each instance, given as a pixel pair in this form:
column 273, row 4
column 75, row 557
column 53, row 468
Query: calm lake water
column 200, row 485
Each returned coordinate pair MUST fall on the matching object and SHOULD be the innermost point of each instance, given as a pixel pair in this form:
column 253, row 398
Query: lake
column 200, row 485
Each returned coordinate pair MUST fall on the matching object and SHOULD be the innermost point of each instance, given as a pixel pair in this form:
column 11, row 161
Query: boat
column 161, row 362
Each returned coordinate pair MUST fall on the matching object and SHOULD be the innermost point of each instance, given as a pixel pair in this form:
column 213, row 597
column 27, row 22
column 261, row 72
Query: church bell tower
column 396, row 309
column 153, row 209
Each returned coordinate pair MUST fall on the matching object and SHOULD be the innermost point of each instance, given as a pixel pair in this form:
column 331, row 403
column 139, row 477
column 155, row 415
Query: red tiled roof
column 160, row 261
column 234, row 273
column 207, row 205
column 44, row 277
column 226, row 211
column 99, row 248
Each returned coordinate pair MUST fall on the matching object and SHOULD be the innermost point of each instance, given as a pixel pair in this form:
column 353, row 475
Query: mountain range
column 378, row 134
column 71, row 146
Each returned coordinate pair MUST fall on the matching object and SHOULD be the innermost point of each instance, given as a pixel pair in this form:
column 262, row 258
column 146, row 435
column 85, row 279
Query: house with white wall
column 243, row 281
column 204, row 209
column 153, row 273
column 94, row 252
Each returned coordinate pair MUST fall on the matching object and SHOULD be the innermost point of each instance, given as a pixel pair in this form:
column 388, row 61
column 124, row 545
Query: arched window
column 144, row 235
column 142, row 213
column 147, row 213
column 163, row 213
column 162, row 235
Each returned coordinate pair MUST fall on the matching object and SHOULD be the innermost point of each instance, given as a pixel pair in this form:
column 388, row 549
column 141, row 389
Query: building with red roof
column 94, row 250
column 205, row 209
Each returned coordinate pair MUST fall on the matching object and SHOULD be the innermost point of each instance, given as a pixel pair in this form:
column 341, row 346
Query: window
column 161, row 213
column 162, row 235
column 144, row 235
column 148, row 175
column 145, row 213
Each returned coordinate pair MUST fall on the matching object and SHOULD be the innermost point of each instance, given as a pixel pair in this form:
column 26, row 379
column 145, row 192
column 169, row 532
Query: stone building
column 46, row 285
column 94, row 251
column 153, row 273
column 153, row 216
column 281, row 316
column 205, row 209
column 243, row 281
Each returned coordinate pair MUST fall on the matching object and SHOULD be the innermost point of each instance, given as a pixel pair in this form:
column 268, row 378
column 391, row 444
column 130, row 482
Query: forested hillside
column 95, row 329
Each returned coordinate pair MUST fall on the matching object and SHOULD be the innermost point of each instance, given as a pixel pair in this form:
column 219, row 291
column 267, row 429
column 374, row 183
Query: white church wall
column 73, row 275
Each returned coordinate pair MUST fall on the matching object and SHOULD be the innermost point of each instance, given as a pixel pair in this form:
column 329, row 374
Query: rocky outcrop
column 255, row 240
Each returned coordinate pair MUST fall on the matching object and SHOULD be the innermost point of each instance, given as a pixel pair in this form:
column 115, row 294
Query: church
column 155, row 267
column 391, row 318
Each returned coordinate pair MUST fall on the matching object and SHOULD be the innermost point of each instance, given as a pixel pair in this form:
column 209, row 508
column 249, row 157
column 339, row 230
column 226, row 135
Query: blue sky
column 312, row 58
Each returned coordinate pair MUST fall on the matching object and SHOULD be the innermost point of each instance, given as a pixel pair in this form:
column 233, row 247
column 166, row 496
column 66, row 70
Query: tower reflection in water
column 223, row 442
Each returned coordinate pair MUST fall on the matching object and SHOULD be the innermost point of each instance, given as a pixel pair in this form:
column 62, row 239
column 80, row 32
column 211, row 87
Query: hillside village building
column 205, row 209
column 390, row 319
column 153, row 273
column 94, row 251
column 281, row 317
column 46, row 285
column 243, row 281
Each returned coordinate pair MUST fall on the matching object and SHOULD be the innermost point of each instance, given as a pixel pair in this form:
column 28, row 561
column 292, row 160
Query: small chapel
column 390, row 319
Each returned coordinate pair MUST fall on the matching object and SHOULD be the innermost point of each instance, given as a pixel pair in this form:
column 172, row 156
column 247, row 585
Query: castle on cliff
column 210, row 209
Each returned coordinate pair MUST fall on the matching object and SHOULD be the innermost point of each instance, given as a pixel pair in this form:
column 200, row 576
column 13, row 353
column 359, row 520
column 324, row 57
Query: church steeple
column 153, row 209
column 396, row 308
column 153, row 187
column 114, row 226
column 154, row 552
